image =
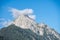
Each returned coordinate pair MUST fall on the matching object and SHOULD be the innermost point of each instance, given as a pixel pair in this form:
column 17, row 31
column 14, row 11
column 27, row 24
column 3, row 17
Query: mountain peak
column 23, row 21
column 43, row 31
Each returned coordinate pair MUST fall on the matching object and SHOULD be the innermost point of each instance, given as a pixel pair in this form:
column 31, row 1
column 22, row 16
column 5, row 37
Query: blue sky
column 47, row 11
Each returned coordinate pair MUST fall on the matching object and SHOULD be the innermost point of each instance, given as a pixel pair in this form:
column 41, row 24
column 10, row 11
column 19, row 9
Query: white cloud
column 9, row 22
column 4, row 22
column 16, row 12
column 32, row 16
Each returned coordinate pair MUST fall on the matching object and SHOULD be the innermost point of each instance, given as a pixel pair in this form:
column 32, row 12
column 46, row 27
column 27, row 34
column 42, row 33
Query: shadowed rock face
column 1, row 38
column 13, row 32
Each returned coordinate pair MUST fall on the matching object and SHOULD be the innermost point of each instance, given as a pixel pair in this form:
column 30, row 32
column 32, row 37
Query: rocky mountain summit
column 25, row 28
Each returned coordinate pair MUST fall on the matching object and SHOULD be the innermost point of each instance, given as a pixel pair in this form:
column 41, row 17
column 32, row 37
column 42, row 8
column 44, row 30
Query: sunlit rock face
column 41, row 29
column 25, row 22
